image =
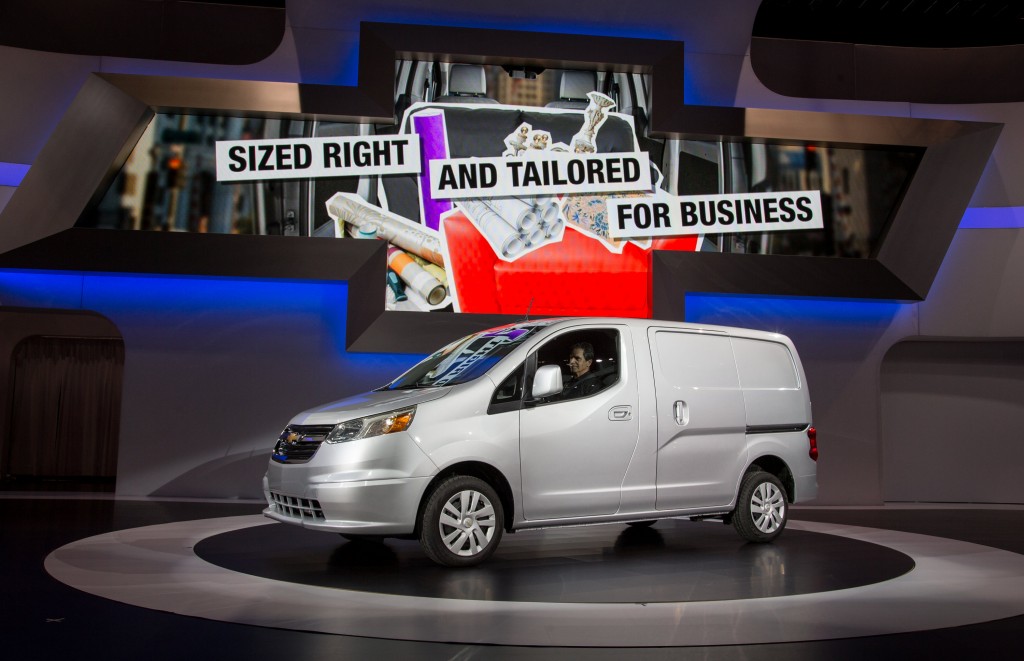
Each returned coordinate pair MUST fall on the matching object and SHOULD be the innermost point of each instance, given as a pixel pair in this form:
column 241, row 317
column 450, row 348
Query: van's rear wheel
column 462, row 522
column 761, row 509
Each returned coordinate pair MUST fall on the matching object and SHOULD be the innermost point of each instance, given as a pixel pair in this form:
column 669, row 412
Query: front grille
column 298, row 443
column 300, row 509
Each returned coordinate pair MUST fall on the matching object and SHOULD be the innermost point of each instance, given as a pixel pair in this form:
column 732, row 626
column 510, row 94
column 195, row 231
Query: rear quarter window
column 765, row 365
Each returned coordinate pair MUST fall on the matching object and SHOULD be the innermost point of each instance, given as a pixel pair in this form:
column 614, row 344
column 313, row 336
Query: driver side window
column 588, row 358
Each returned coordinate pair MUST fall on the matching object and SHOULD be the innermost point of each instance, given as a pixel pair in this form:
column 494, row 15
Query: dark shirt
column 587, row 384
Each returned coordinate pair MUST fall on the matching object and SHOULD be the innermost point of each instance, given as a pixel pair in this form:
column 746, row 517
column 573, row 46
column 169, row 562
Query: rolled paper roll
column 546, row 209
column 437, row 272
column 535, row 201
column 528, row 224
column 551, row 229
column 356, row 233
column 515, row 211
column 503, row 237
column 429, row 125
column 402, row 232
column 535, row 237
column 432, row 269
column 424, row 284
column 515, row 247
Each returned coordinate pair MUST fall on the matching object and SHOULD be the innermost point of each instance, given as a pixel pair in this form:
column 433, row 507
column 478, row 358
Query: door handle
column 681, row 412
column 619, row 413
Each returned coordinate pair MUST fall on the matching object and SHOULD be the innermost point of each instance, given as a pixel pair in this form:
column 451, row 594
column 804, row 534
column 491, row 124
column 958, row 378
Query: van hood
column 368, row 403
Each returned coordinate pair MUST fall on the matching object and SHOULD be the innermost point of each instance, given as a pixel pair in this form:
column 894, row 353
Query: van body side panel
column 575, row 453
column 791, row 448
column 458, row 429
column 773, row 392
column 777, row 406
column 806, row 487
column 701, row 420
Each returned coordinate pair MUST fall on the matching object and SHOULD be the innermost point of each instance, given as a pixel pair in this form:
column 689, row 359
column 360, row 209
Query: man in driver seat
column 583, row 381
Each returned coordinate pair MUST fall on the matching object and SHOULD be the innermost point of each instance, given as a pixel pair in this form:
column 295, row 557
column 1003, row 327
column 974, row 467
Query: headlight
column 373, row 425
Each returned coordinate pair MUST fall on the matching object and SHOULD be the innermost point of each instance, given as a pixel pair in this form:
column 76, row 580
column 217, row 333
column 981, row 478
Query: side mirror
column 547, row 382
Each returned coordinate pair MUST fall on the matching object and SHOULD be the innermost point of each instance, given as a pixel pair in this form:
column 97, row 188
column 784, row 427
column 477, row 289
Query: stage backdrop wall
column 951, row 415
column 953, row 404
column 215, row 367
column 212, row 372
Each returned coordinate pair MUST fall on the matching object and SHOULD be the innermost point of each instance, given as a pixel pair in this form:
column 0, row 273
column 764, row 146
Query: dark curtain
column 65, row 407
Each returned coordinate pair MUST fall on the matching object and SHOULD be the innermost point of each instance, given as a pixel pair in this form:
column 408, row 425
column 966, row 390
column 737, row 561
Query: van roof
column 558, row 323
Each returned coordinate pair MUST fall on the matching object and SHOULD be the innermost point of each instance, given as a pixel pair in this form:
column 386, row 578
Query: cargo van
column 553, row 423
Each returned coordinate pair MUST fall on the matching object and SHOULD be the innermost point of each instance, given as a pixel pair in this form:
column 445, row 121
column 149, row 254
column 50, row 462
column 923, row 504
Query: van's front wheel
column 761, row 512
column 462, row 522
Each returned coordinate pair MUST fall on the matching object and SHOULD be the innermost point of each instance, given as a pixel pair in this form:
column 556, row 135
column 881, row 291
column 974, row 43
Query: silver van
column 552, row 423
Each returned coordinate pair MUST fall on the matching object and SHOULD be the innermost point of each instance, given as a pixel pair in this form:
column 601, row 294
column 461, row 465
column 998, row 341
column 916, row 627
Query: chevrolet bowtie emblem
column 293, row 437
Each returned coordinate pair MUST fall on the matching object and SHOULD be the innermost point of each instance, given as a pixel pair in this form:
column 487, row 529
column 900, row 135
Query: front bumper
column 371, row 486
column 368, row 507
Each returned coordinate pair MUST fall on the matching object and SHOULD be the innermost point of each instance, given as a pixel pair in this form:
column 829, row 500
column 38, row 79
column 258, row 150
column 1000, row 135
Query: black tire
column 470, row 537
column 761, row 508
column 641, row 524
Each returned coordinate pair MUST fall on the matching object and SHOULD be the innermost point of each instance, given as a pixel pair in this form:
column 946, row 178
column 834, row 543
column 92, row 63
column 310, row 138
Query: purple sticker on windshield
column 511, row 333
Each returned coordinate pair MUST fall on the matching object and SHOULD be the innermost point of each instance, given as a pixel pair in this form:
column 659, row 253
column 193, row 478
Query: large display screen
column 512, row 205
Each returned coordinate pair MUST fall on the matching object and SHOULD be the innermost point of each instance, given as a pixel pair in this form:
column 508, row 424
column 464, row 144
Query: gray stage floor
column 517, row 598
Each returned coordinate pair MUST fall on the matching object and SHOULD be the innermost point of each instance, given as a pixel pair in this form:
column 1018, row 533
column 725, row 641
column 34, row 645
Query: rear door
column 701, row 421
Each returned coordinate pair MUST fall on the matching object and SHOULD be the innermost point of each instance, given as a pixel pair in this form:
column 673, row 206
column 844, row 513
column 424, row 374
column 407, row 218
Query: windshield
column 465, row 359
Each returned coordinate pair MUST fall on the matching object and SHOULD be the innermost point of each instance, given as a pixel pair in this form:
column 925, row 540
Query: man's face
column 578, row 365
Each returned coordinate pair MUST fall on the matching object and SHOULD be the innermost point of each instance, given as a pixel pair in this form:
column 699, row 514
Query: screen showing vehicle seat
column 507, row 190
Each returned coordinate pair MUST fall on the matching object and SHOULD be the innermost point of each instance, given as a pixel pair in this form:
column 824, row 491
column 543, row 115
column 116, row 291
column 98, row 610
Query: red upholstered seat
column 576, row 277
column 472, row 265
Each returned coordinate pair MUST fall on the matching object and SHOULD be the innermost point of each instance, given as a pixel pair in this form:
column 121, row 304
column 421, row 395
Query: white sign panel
column 295, row 158
column 714, row 214
column 548, row 173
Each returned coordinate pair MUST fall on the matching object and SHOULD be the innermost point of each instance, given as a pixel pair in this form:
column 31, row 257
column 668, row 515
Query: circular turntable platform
column 673, row 561
column 676, row 584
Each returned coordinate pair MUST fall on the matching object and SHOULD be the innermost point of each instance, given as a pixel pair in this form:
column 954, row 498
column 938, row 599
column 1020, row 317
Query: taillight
column 812, row 438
